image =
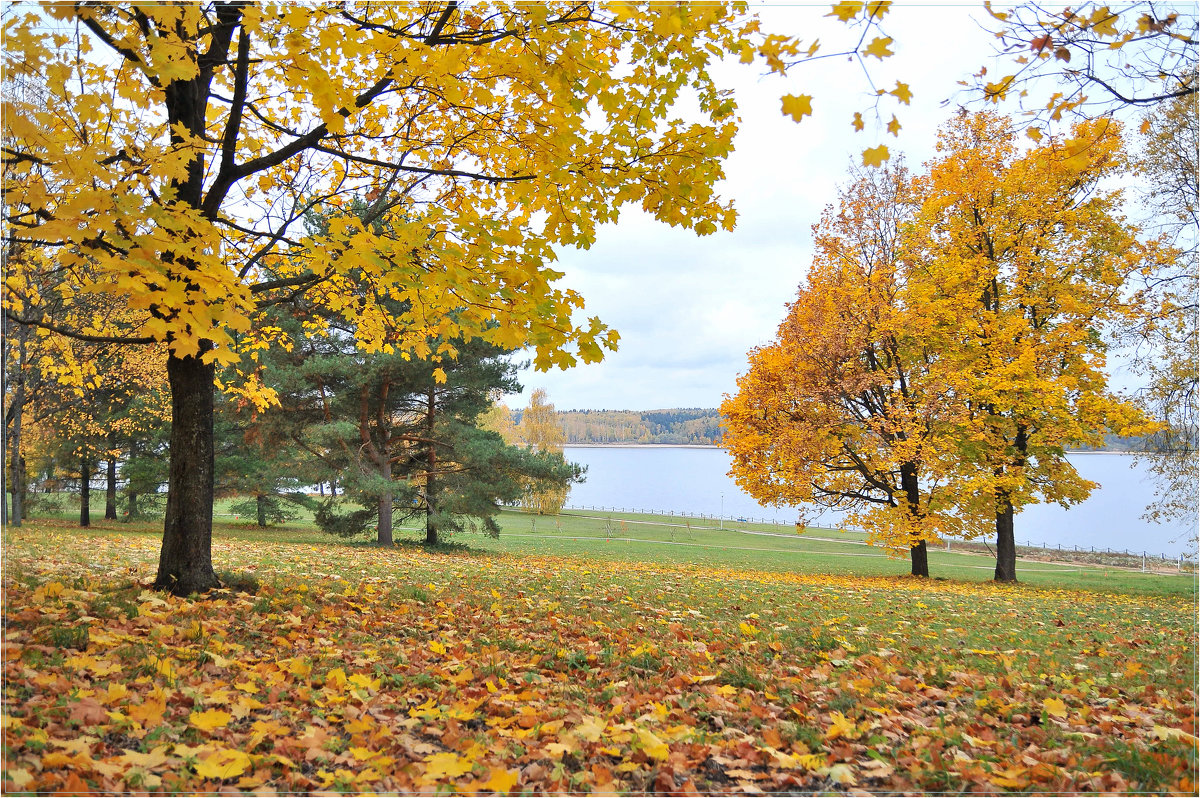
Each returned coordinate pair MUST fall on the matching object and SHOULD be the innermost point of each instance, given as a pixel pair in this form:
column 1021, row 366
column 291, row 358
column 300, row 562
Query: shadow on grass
column 455, row 548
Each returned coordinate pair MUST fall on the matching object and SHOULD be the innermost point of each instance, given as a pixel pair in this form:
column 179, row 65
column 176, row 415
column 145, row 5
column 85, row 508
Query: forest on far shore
column 695, row 426
column 687, row 425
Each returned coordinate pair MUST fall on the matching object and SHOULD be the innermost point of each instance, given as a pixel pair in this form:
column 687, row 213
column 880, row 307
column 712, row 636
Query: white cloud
column 690, row 308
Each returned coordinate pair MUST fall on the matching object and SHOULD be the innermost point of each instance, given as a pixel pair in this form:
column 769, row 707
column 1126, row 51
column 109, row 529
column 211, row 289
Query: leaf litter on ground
column 361, row 669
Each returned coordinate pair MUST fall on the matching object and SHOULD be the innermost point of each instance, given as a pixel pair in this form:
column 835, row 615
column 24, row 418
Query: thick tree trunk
column 85, row 492
column 385, row 517
column 185, row 564
column 1006, row 546
column 918, row 555
column 260, row 505
column 110, row 492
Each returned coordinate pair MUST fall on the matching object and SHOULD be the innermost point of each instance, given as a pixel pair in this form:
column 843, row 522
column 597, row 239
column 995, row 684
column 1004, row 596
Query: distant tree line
column 694, row 426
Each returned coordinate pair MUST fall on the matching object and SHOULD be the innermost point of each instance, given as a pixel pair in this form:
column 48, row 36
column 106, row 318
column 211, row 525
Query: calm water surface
column 695, row 481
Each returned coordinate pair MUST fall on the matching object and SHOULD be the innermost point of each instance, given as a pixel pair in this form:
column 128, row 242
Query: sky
column 689, row 308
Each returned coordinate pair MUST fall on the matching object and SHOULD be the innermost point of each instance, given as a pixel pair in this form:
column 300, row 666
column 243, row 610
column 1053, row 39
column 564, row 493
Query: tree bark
column 85, row 492
column 16, row 479
column 185, row 564
column 918, row 554
column 131, row 511
column 431, row 532
column 385, row 515
column 110, row 492
column 260, row 505
column 1006, row 546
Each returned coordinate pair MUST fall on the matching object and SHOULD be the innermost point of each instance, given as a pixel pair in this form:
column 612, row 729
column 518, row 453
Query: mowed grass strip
column 355, row 668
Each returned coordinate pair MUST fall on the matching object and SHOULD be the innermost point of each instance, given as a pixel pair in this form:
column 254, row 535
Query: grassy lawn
column 556, row 659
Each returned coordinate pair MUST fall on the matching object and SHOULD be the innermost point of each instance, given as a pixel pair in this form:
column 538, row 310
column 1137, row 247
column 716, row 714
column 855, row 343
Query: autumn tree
column 1027, row 255
column 1138, row 55
column 1167, row 348
column 177, row 147
column 541, row 430
column 843, row 408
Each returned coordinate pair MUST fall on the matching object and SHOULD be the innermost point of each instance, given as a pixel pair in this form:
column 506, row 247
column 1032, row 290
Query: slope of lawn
column 348, row 667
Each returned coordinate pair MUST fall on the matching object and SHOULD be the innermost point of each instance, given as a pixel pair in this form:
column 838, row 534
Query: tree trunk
column 16, row 479
column 431, row 532
column 918, row 554
column 260, row 505
column 185, row 564
column 110, row 492
column 132, row 510
column 385, row 516
column 85, row 492
column 1006, row 546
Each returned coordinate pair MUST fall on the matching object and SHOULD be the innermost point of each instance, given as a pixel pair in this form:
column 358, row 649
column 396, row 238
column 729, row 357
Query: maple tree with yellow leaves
column 845, row 408
column 1029, row 254
column 171, row 150
column 951, row 335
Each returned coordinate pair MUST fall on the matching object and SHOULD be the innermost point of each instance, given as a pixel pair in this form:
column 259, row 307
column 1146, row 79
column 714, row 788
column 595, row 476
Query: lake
column 694, row 480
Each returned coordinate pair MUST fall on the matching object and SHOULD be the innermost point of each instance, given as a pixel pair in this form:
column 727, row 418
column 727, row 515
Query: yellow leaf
column 151, row 760
column 879, row 47
column 439, row 376
column 747, row 629
column 652, row 745
column 846, row 10
column 336, row 678
column 224, row 763
column 840, row 774
column 500, row 781
column 902, row 93
column 364, row 682
column 858, row 125
column 841, row 726
column 1034, row 133
column 437, row 647
column 876, row 156
column 590, row 729
column 446, row 765
column 1104, row 22
column 1167, row 733
column 298, row 667
column 810, row 761
column 210, row 719
column 797, row 106
column 893, row 127
column 1055, row 707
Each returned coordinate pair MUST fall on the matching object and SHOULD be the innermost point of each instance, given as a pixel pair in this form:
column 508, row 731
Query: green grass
column 677, row 540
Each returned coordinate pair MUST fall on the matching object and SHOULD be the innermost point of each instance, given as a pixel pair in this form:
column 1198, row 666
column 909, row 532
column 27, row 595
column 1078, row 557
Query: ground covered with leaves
column 358, row 669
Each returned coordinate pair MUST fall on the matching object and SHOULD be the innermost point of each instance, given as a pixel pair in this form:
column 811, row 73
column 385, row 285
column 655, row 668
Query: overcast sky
column 689, row 308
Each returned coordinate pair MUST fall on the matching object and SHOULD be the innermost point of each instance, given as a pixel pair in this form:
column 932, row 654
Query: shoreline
column 718, row 446
column 641, row 446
